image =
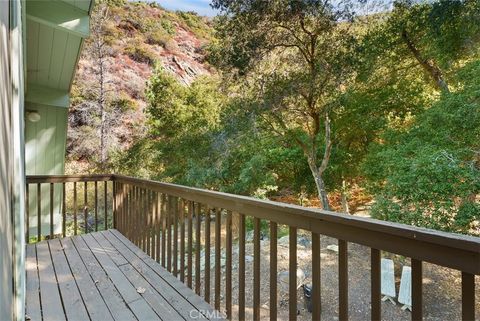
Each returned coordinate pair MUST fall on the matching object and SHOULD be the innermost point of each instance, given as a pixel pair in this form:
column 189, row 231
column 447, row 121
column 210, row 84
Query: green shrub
column 159, row 37
column 141, row 53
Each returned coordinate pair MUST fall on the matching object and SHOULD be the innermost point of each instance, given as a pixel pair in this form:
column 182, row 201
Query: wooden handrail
column 31, row 179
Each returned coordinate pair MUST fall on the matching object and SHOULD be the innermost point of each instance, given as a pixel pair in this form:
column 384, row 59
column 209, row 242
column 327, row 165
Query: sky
column 202, row 7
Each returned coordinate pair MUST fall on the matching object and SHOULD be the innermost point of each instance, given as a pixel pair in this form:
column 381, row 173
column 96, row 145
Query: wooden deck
column 103, row 276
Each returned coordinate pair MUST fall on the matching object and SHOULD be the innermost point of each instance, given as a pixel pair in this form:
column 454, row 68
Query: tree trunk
column 429, row 66
column 103, row 116
column 319, row 183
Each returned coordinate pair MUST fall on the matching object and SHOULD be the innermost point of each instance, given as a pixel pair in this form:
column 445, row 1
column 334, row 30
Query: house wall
column 45, row 154
column 6, row 226
column 12, row 178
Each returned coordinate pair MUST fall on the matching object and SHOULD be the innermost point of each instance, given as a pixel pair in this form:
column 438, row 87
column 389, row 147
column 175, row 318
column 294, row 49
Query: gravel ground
column 442, row 286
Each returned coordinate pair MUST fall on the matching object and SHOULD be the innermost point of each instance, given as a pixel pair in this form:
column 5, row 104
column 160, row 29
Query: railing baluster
column 182, row 240
column 135, row 217
column 292, row 275
column 228, row 268
column 273, row 270
column 27, row 213
column 141, row 218
column 175, row 236
column 39, row 212
column 241, row 269
column 198, row 210
column 375, row 278
column 148, row 212
column 164, row 228
column 64, row 210
column 218, row 231
column 105, row 198
column 146, row 216
column 468, row 297
column 85, row 207
column 146, row 220
column 96, row 205
column 417, row 297
column 342, row 280
column 316, row 277
column 119, row 206
column 75, row 208
column 151, row 234
column 256, row 268
column 135, row 214
column 158, row 225
column 51, row 210
column 207, row 254
column 114, row 203
column 130, row 212
column 123, row 199
column 150, row 222
column 169, row 233
column 190, row 244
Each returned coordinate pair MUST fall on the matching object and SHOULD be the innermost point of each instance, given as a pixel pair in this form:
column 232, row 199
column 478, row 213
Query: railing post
column 343, row 280
column 228, row 269
column 417, row 289
column 468, row 297
column 115, row 203
column 273, row 271
column 27, row 213
column 241, row 269
column 292, row 274
column 256, row 268
column 375, row 274
column 316, row 277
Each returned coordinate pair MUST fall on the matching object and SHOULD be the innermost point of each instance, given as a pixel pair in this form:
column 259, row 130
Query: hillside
column 134, row 37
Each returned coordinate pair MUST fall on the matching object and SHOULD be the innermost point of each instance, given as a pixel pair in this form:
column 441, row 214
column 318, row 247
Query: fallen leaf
column 141, row 290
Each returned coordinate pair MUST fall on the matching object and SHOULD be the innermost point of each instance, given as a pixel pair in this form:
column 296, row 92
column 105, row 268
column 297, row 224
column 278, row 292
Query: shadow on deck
column 103, row 276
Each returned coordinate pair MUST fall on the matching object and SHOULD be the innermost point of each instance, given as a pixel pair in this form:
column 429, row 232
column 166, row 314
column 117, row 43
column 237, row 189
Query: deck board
column 185, row 292
column 154, row 299
column 52, row 308
column 104, row 276
column 32, row 306
column 72, row 300
column 94, row 303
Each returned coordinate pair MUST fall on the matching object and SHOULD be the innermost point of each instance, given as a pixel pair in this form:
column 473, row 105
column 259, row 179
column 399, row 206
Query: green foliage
column 139, row 52
column 429, row 174
column 412, row 143
column 195, row 23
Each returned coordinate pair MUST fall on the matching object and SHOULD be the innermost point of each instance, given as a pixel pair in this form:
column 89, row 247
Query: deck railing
column 61, row 205
column 168, row 222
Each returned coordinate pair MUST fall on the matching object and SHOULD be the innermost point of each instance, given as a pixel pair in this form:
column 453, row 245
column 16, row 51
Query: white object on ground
column 405, row 292
column 388, row 280
column 333, row 248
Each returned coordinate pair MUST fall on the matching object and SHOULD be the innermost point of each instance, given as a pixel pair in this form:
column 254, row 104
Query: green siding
column 45, row 150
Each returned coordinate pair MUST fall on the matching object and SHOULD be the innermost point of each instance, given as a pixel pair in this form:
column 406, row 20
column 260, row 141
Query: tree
column 99, row 54
column 428, row 36
column 181, row 123
column 294, row 58
column 96, row 109
column 429, row 174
